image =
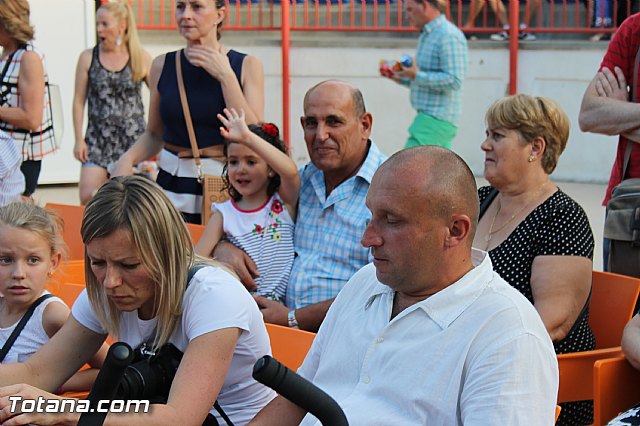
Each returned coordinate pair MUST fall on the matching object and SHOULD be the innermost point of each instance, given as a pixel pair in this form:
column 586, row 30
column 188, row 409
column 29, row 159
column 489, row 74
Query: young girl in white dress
column 30, row 252
column 263, row 183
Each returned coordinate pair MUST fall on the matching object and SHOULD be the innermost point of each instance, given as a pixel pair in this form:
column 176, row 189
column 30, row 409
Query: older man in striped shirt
column 435, row 75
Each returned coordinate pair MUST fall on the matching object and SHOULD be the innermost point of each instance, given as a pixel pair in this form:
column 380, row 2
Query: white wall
column 64, row 28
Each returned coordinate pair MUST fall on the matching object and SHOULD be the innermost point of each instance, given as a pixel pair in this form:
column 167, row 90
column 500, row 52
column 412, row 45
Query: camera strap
column 23, row 321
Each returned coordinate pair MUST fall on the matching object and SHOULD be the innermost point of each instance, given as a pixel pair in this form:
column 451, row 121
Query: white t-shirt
column 31, row 338
column 474, row 353
column 214, row 300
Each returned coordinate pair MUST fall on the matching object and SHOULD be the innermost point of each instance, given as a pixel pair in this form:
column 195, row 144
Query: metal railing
column 554, row 17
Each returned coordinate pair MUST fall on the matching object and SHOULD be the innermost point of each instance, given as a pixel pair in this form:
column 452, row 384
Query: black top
column 557, row 227
column 204, row 94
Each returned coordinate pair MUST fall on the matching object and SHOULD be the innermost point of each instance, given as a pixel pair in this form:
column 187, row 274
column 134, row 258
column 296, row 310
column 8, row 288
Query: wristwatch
column 291, row 319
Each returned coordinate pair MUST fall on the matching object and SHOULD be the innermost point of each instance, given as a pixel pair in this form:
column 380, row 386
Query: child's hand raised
column 235, row 128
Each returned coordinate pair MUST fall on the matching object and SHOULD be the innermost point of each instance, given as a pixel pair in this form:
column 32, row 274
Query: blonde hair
column 14, row 18
column 28, row 216
column 141, row 208
column 533, row 117
column 122, row 12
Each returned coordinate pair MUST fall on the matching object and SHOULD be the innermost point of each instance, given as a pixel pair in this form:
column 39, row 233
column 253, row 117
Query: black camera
column 150, row 375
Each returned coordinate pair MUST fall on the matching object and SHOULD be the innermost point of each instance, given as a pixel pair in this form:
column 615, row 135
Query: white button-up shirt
column 475, row 353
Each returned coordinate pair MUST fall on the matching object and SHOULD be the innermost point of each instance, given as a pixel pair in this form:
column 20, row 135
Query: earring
column 49, row 274
column 119, row 40
column 531, row 158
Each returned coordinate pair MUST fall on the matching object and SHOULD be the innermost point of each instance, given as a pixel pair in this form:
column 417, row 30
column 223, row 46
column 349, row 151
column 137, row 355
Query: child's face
column 248, row 173
column 25, row 262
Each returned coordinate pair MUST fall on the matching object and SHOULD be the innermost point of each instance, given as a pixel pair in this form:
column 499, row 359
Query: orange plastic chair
column 69, row 292
column 611, row 307
column 558, row 409
column 615, row 384
column 196, row 231
column 289, row 345
column 613, row 299
column 72, row 216
column 576, row 373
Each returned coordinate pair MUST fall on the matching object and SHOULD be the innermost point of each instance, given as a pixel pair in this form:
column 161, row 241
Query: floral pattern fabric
column 266, row 235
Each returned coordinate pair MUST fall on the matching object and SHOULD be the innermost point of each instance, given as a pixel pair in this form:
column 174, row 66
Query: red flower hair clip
column 270, row 129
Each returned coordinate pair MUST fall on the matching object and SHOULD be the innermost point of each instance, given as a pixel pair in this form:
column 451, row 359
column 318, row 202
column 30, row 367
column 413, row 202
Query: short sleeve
column 84, row 314
column 565, row 232
column 619, row 51
column 215, row 300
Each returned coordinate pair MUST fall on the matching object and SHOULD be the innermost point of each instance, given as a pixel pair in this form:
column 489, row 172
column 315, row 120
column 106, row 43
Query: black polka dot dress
column 557, row 227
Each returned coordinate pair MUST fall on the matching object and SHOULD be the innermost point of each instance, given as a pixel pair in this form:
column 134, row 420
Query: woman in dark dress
column 538, row 238
column 214, row 77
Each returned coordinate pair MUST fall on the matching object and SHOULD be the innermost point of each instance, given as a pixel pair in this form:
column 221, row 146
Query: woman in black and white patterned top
column 538, row 238
column 25, row 113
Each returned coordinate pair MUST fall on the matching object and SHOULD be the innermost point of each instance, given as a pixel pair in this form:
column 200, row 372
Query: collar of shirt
column 447, row 304
column 431, row 25
column 366, row 172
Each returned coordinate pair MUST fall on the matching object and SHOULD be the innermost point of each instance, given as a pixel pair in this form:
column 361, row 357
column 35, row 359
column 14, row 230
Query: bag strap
column 6, row 65
column 6, row 68
column 187, row 115
column 634, row 92
column 23, row 321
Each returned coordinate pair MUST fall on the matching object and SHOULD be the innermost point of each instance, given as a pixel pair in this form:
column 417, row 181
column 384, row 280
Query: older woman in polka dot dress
column 538, row 238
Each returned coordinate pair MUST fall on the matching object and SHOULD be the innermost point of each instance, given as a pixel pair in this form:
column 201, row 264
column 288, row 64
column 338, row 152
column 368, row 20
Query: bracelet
column 291, row 319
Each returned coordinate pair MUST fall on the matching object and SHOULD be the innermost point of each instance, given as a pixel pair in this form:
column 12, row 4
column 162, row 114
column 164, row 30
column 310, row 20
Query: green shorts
column 428, row 130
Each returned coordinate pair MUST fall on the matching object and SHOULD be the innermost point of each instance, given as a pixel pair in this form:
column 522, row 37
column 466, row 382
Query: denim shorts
column 90, row 164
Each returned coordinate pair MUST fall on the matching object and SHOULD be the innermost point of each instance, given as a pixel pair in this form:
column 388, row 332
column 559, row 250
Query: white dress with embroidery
column 266, row 235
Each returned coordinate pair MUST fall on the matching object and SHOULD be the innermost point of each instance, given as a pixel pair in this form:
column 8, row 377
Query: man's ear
column 458, row 230
column 366, row 121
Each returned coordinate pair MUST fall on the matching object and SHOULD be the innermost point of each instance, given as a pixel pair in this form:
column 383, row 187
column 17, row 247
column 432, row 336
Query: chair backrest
column 69, row 292
column 196, row 231
column 613, row 300
column 288, row 345
column 616, row 389
column 72, row 216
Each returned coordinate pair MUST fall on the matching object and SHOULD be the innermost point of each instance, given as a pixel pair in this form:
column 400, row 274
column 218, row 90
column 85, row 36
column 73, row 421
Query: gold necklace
column 491, row 232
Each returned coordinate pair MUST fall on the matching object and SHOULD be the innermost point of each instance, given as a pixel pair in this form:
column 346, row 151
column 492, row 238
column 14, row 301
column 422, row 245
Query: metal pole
column 514, row 27
column 286, row 44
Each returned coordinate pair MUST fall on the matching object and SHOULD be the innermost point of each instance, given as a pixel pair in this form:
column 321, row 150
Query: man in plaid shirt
column 435, row 75
column 332, row 214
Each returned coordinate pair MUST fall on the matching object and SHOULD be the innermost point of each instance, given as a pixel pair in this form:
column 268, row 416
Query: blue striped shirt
column 441, row 56
column 328, row 233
